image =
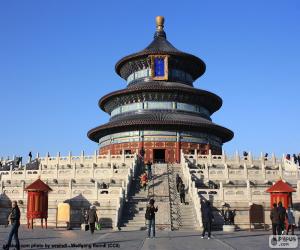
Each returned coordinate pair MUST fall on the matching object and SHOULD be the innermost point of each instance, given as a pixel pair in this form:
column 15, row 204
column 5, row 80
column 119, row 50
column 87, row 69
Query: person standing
column 150, row 216
column 15, row 223
column 92, row 218
column 30, row 156
column 144, row 180
column 182, row 193
column 291, row 220
column 274, row 216
column 282, row 216
column 177, row 179
column 149, row 170
column 179, row 183
column 207, row 218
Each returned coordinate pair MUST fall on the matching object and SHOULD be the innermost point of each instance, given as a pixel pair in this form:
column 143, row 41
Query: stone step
column 129, row 221
column 133, row 228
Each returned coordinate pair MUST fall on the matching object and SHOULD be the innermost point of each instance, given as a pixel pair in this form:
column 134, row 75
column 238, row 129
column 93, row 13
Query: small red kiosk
column 37, row 202
column 281, row 191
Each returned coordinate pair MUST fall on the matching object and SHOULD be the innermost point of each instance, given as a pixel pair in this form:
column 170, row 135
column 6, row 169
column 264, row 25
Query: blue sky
column 57, row 59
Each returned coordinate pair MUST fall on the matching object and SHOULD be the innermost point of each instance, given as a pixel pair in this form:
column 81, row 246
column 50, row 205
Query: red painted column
column 177, row 150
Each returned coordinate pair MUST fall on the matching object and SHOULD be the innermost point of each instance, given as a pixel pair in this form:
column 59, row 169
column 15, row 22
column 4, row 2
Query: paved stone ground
column 165, row 240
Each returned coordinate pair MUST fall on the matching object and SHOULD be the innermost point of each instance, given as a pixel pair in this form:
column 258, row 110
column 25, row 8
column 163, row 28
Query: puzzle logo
column 283, row 241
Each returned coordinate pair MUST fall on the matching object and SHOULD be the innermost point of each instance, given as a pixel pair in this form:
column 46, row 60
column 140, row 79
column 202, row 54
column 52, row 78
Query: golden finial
column 160, row 23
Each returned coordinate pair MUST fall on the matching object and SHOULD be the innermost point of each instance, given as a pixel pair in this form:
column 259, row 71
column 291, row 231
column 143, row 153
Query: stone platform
column 134, row 240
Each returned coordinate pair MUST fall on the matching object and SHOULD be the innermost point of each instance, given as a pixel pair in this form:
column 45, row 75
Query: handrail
column 171, row 221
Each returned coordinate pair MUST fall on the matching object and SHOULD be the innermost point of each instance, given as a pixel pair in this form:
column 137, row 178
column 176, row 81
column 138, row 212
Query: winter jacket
column 15, row 215
column 182, row 189
column 274, row 216
column 152, row 211
column 92, row 216
column 290, row 216
column 207, row 214
column 282, row 214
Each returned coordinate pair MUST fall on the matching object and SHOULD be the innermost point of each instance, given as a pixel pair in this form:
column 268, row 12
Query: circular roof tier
column 160, row 46
column 161, row 121
column 160, row 91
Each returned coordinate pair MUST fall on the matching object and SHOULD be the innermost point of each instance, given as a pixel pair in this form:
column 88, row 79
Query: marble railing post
column 10, row 172
column 245, row 171
column 249, row 194
column 74, row 170
column 25, row 171
column 221, row 192
column 237, row 158
column 47, row 159
column 264, row 171
column 223, row 156
column 56, row 171
column 206, row 171
column 82, row 157
column 250, row 158
column 23, row 189
column 70, row 157
column 209, row 157
column 95, row 158
column 123, row 156
column 58, row 158
column 262, row 158
column 280, row 171
column 109, row 156
column 226, row 172
column 93, row 171
column 273, row 159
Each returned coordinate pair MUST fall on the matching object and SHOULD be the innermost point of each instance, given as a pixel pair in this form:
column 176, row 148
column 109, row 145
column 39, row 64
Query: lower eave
column 121, row 126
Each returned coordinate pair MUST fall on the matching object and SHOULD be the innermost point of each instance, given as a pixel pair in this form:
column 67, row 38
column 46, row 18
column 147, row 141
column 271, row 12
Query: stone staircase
column 172, row 215
column 133, row 216
column 182, row 215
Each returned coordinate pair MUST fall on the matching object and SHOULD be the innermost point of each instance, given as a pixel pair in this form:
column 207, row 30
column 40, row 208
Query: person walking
column 144, row 180
column 15, row 224
column 182, row 193
column 92, row 218
column 30, row 156
column 177, row 179
column 274, row 216
column 291, row 220
column 149, row 169
column 179, row 183
column 207, row 218
column 282, row 216
column 150, row 217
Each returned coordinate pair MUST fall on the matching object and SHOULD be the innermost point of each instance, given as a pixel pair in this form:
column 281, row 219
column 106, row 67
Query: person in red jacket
column 144, row 180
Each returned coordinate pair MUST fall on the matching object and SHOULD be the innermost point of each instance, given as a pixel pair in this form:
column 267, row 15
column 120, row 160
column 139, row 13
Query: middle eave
column 192, row 95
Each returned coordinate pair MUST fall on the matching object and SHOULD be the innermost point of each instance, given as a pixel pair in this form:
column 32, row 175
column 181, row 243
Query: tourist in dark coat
column 150, row 211
column 207, row 218
column 274, row 216
column 282, row 216
column 149, row 169
column 179, row 183
column 15, row 224
column 92, row 218
column 291, row 220
column 182, row 193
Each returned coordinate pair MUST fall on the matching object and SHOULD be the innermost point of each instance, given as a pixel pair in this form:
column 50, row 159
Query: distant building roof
column 38, row 185
column 280, row 187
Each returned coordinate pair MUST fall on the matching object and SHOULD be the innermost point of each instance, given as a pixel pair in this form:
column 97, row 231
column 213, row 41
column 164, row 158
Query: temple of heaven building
column 160, row 112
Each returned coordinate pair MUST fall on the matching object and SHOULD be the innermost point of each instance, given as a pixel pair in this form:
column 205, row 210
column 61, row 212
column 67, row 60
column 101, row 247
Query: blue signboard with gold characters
column 159, row 67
